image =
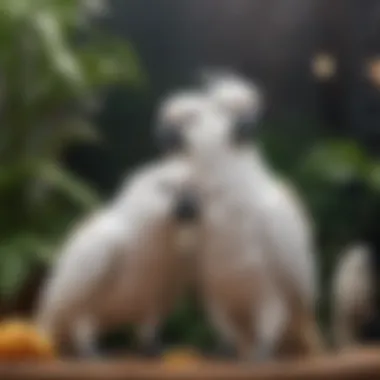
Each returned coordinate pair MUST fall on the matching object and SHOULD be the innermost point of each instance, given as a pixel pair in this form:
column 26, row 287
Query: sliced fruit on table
column 20, row 339
column 181, row 357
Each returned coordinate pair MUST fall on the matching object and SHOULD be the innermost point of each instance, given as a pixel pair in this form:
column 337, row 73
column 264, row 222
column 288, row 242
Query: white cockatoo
column 128, row 262
column 257, row 266
column 290, row 241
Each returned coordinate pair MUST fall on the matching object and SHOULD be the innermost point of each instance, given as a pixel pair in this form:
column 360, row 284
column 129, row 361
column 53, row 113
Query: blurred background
column 80, row 81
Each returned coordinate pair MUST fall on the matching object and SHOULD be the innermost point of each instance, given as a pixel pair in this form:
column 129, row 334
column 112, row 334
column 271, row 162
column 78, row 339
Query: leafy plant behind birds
column 54, row 64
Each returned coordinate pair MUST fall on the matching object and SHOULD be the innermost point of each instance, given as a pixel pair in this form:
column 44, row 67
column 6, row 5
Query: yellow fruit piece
column 181, row 358
column 21, row 340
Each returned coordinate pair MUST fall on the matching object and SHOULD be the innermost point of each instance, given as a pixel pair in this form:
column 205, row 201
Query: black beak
column 169, row 139
column 245, row 130
column 187, row 208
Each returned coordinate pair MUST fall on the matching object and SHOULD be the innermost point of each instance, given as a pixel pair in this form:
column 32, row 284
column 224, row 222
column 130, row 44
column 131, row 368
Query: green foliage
column 342, row 161
column 188, row 325
column 54, row 65
column 327, row 175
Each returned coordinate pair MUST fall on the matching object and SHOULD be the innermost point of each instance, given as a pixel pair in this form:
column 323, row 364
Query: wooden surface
column 352, row 365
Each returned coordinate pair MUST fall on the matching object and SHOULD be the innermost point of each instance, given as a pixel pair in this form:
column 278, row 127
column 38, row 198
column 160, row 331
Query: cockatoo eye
column 245, row 129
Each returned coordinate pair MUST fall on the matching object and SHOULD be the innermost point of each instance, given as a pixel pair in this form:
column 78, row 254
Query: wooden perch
column 353, row 365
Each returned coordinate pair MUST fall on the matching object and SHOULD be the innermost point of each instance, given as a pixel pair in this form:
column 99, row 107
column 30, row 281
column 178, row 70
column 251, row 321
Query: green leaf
column 14, row 269
column 16, row 255
column 37, row 247
column 61, row 58
column 374, row 177
column 15, row 10
column 79, row 130
column 110, row 63
column 68, row 184
column 53, row 141
column 337, row 161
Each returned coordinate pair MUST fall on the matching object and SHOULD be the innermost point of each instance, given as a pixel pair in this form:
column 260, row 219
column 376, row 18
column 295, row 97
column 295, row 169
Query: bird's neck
column 232, row 169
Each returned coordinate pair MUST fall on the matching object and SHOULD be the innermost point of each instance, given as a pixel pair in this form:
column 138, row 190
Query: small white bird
column 126, row 263
column 353, row 294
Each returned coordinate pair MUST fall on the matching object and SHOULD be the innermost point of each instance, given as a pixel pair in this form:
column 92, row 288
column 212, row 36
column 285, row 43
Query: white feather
column 121, row 265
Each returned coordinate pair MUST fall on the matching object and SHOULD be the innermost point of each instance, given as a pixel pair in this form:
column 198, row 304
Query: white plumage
column 258, row 273
column 285, row 235
column 351, row 294
column 123, row 264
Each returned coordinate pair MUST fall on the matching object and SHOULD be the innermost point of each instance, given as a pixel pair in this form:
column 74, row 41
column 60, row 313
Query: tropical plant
column 54, row 64
column 341, row 183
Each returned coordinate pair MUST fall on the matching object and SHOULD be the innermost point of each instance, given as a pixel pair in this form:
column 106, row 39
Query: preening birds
column 250, row 242
column 256, row 262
